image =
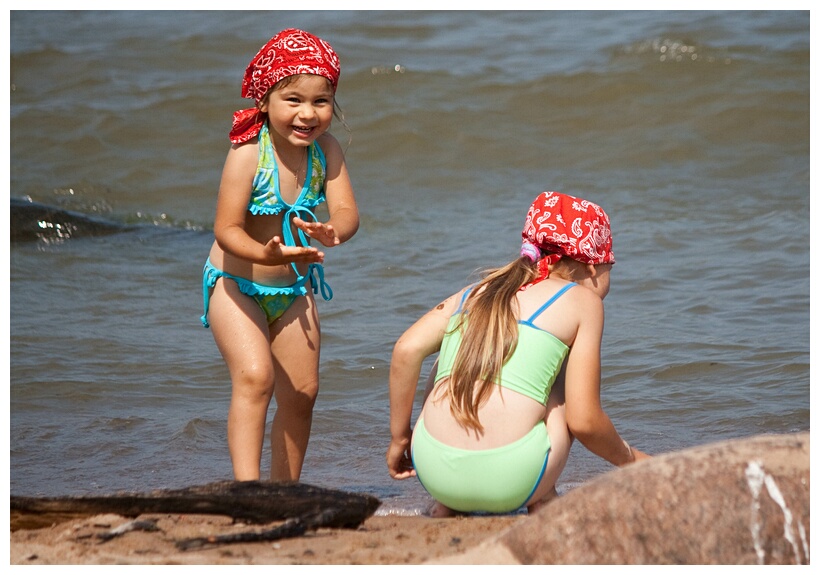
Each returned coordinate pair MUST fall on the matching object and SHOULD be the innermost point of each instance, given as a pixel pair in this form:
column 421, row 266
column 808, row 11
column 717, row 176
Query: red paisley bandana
column 560, row 225
column 289, row 53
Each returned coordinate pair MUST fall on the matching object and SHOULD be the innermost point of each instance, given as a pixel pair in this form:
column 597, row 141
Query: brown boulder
column 735, row 502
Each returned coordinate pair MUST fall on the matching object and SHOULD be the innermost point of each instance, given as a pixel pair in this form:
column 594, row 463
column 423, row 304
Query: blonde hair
column 491, row 336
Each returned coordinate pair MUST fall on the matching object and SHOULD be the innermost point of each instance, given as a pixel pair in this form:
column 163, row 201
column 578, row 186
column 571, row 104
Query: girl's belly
column 280, row 275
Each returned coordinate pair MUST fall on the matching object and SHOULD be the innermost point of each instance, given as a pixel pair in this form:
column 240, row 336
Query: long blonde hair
column 490, row 336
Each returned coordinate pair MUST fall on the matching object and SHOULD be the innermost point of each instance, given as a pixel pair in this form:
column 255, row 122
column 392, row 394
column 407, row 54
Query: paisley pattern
column 289, row 53
column 568, row 226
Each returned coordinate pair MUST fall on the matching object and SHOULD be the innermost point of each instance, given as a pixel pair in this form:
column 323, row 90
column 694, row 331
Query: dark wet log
column 32, row 221
column 250, row 501
column 290, row 528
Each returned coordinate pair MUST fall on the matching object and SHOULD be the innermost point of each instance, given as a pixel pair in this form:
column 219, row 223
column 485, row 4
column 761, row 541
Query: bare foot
column 438, row 511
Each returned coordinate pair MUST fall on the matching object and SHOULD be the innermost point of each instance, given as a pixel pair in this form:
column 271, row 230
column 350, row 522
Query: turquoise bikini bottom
column 274, row 301
column 498, row 480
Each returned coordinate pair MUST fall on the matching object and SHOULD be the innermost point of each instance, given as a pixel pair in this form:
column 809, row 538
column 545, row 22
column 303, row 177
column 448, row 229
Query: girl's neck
column 289, row 156
column 292, row 159
column 285, row 150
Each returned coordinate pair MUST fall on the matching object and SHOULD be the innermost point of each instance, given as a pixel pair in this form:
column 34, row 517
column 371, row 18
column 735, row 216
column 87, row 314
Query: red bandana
column 561, row 225
column 289, row 53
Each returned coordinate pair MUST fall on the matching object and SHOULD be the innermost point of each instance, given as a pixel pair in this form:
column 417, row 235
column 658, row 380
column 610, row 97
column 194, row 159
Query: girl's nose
column 306, row 111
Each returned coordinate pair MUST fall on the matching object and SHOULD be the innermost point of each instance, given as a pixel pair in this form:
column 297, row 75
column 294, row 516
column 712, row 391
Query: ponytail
column 488, row 339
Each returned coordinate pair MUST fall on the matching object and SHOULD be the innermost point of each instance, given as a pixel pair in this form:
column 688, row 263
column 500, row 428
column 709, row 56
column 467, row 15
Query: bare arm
column 420, row 341
column 341, row 201
column 586, row 418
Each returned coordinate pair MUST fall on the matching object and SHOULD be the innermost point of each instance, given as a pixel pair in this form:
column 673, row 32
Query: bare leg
column 560, row 443
column 241, row 333
column 295, row 348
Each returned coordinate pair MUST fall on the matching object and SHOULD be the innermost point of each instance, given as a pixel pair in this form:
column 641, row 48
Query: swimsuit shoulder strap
column 463, row 299
column 550, row 301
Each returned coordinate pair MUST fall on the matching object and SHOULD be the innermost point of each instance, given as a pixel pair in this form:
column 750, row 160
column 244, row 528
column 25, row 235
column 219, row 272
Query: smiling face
column 300, row 108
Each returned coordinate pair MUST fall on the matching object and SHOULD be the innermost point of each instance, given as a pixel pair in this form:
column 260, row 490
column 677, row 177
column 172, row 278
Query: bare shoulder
column 330, row 146
column 588, row 309
column 244, row 153
column 451, row 304
column 575, row 295
column 584, row 297
column 240, row 165
column 249, row 147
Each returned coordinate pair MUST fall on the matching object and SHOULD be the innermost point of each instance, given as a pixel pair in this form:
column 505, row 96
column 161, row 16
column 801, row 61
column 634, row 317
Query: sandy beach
column 690, row 507
column 380, row 540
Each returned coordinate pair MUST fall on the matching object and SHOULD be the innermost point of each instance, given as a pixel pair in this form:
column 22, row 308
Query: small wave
column 32, row 221
column 666, row 49
column 399, row 507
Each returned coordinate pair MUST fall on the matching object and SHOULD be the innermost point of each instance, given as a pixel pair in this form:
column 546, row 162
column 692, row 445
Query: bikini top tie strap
column 318, row 283
column 316, row 272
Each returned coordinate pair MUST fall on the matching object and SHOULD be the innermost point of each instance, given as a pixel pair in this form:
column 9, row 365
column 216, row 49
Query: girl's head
column 561, row 227
column 290, row 53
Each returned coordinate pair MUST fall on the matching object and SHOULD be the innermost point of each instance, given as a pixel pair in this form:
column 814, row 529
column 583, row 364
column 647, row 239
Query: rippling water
column 690, row 128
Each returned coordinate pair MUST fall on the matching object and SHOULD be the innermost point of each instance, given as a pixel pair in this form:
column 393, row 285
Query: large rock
column 735, row 502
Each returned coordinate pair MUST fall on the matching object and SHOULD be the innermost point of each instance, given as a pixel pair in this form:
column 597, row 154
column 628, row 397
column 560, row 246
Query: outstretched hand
column 323, row 233
column 399, row 462
column 277, row 252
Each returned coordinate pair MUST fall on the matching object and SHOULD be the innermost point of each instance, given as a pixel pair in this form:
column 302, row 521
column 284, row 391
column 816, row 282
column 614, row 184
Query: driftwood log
column 249, row 501
column 291, row 528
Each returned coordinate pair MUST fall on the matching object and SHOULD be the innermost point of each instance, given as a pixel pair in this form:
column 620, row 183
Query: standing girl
column 281, row 166
column 519, row 371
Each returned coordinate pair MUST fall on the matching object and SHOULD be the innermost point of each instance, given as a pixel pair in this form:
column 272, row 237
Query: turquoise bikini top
column 265, row 197
column 534, row 364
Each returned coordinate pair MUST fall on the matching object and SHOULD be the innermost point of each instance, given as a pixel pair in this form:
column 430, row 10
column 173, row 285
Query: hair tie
column 530, row 251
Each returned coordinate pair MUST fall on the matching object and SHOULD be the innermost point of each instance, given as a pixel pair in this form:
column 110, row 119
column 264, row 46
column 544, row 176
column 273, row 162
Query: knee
column 298, row 399
column 254, row 381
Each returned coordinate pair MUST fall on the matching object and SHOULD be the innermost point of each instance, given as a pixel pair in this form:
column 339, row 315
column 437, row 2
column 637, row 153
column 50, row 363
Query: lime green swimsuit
column 503, row 479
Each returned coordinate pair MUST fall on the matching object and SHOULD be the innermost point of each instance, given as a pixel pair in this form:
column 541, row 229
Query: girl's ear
column 591, row 270
column 263, row 103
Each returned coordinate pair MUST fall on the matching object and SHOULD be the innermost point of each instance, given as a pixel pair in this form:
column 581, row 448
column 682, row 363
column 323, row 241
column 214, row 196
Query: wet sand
column 380, row 540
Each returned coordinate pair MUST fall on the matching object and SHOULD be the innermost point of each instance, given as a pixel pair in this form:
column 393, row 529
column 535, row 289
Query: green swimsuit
column 503, row 479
